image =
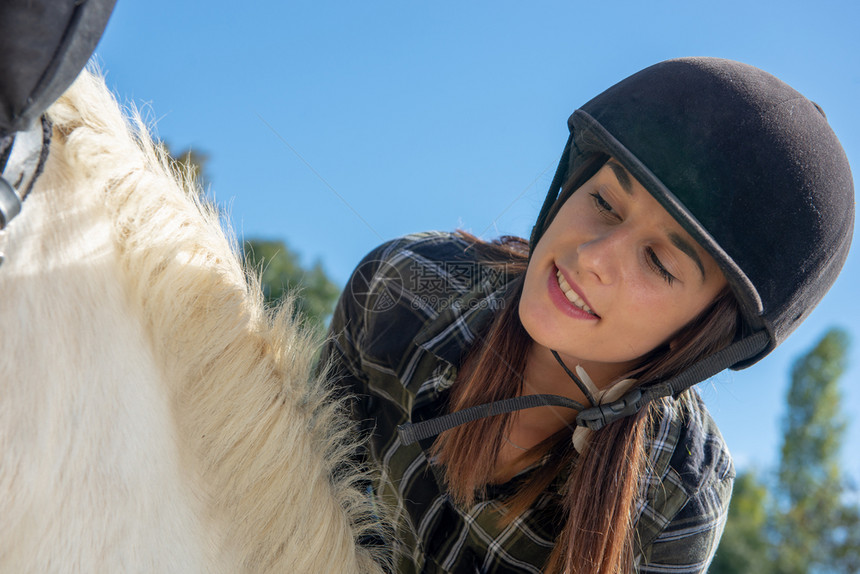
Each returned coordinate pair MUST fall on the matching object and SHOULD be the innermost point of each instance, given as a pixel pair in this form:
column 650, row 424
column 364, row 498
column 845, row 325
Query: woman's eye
column 657, row 266
column 602, row 205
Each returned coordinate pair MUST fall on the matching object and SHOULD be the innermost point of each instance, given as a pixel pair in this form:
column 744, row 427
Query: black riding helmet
column 752, row 171
column 748, row 166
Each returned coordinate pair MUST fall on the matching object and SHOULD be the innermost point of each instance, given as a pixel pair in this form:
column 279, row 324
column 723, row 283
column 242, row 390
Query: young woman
column 527, row 403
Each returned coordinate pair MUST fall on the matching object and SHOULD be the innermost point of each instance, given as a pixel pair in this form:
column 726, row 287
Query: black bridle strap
column 10, row 203
column 24, row 163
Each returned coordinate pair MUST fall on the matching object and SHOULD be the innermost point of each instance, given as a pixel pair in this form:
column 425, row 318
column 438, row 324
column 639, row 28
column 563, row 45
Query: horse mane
column 264, row 435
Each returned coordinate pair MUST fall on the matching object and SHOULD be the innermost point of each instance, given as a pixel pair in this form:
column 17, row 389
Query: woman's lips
column 571, row 303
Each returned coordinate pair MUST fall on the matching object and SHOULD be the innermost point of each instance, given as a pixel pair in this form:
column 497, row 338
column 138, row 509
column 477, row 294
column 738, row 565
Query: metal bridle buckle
column 10, row 203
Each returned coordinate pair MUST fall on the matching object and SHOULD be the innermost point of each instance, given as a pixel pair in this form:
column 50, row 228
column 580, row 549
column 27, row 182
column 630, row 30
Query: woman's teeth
column 571, row 294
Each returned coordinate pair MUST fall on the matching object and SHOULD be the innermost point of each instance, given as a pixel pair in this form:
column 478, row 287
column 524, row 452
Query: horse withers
column 154, row 417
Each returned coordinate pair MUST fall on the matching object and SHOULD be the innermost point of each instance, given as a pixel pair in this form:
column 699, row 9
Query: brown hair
column 607, row 474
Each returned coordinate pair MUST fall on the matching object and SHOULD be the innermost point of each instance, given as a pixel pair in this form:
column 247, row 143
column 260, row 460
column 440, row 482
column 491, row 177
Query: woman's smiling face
column 614, row 276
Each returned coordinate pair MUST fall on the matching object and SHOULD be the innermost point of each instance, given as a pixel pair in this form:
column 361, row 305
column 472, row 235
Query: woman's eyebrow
column 622, row 176
column 688, row 249
column 624, row 180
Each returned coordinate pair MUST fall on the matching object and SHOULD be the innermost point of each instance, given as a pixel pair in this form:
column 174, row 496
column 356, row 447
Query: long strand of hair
column 469, row 463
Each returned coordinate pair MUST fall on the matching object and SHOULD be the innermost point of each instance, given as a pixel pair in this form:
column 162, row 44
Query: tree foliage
column 808, row 524
column 281, row 271
column 745, row 547
column 810, row 509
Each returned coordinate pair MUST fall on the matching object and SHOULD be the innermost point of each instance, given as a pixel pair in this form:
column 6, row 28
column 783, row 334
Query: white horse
column 153, row 417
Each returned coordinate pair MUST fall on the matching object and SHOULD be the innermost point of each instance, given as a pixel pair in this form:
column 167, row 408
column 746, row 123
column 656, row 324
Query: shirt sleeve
column 687, row 500
column 341, row 354
column 688, row 543
column 341, row 359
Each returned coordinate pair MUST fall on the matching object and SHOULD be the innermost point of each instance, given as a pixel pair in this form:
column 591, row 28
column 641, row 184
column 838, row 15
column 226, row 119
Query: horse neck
column 255, row 438
column 89, row 460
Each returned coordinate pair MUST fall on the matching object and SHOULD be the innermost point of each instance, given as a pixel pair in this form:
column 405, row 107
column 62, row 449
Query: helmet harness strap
column 595, row 417
column 557, row 183
column 582, row 386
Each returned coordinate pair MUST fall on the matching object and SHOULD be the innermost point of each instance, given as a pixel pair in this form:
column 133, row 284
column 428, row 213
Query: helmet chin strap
column 582, row 386
column 597, row 416
column 412, row 432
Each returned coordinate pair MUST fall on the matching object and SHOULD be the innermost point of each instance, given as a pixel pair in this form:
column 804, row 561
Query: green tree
column 810, row 524
column 811, row 519
column 846, row 553
column 281, row 271
column 745, row 548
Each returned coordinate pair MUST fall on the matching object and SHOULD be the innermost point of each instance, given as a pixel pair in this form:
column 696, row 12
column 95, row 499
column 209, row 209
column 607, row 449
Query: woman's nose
column 603, row 254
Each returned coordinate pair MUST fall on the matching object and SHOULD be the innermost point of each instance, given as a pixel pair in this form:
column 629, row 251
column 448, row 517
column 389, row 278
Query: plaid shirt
column 412, row 309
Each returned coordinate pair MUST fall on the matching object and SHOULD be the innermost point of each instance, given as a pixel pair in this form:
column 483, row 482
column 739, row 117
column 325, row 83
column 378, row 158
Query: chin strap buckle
column 595, row 418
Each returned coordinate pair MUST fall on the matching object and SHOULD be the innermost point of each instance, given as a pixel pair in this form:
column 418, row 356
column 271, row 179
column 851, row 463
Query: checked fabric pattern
column 410, row 312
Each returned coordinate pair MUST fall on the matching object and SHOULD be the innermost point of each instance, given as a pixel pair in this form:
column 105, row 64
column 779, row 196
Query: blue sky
column 337, row 125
